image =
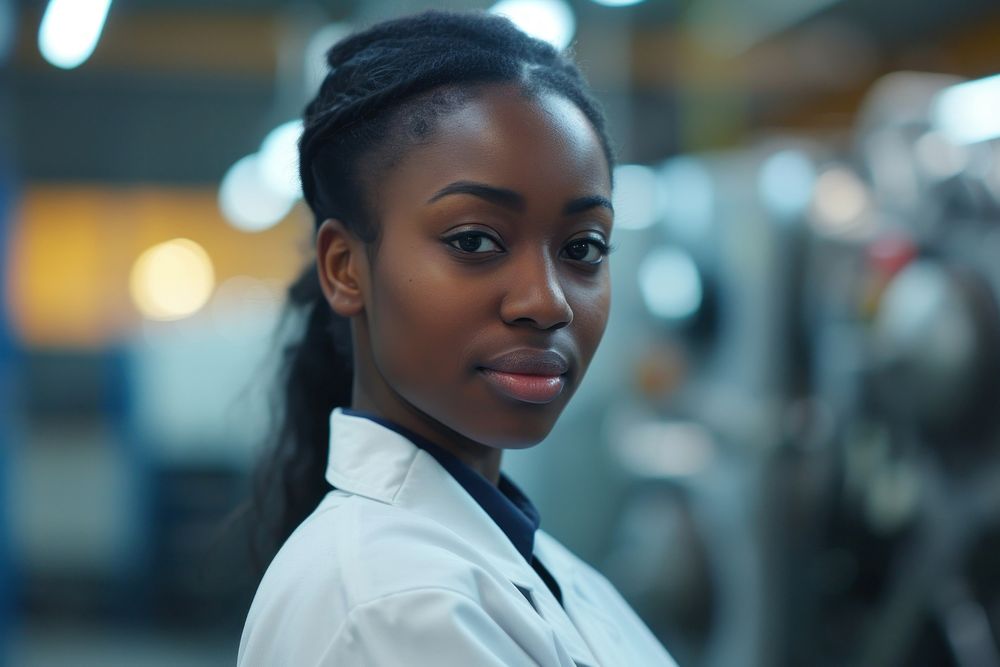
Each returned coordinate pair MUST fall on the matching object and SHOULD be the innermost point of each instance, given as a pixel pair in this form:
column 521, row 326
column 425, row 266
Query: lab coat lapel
column 568, row 633
column 448, row 503
column 371, row 460
column 600, row 630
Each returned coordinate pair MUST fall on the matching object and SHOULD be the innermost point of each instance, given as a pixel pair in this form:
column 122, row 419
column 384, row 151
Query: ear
column 342, row 264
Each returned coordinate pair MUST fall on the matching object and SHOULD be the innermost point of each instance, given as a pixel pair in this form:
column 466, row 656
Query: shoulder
column 366, row 549
column 358, row 571
column 419, row 627
column 353, row 563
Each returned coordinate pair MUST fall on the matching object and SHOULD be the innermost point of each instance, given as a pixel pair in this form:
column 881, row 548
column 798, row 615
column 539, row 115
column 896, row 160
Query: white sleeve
column 421, row 628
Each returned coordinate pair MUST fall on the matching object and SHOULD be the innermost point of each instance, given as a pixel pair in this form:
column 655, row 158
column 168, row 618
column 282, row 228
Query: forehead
column 542, row 146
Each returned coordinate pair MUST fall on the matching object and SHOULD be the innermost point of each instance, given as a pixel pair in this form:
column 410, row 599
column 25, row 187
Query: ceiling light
column 548, row 20
column 70, row 29
column 968, row 112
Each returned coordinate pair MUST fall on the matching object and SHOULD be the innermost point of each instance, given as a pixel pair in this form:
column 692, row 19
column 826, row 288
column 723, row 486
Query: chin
column 512, row 432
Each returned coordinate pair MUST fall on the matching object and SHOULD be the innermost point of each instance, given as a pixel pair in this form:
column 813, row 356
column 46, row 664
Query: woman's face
column 489, row 292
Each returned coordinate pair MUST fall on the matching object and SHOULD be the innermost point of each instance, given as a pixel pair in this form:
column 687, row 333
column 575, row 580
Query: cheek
column 420, row 318
column 591, row 308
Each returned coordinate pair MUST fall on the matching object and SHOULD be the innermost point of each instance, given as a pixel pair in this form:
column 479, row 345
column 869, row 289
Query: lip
column 529, row 376
column 527, row 361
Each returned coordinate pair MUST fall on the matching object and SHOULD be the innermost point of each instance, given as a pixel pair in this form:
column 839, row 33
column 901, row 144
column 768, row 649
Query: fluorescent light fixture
column 549, row 20
column 70, row 30
column 618, row 3
column 786, row 182
column 246, row 200
column 279, row 159
column 636, row 197
column 968, row 113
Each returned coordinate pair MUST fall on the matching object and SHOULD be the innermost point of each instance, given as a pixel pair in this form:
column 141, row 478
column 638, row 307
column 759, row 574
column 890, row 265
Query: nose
column 535, row 296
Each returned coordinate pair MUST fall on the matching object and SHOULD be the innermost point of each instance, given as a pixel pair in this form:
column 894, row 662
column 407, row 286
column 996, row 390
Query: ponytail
column 315, row 377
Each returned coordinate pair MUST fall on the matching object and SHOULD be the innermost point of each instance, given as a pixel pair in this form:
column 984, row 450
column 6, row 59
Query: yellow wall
column 74, row 246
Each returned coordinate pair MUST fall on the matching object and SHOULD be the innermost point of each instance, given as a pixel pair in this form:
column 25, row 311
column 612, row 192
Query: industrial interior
column 793, row 420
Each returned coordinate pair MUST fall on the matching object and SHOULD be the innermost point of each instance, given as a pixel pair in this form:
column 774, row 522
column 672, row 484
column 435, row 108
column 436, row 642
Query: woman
column 460, row 178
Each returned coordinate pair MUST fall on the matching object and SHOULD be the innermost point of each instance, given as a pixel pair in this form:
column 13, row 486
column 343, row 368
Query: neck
column 482, row 458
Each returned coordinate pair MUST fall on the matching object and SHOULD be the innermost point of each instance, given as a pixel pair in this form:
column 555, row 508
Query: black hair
column 384, row 90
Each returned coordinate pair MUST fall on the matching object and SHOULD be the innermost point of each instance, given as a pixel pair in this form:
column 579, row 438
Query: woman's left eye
column 474, row 242
column 589, row 251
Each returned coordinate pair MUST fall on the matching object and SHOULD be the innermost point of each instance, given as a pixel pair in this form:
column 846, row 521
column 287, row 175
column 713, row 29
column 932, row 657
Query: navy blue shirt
column 506, row 504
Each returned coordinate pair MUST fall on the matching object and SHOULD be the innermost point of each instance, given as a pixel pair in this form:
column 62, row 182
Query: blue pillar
column 8, row 19
column 7, row 417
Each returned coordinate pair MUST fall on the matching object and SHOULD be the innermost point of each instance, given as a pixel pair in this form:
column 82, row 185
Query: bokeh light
column 314, row 54
column 967, row 112
column 786, row 182
column 670, row 284
column 688, row 198
column 246, row 200
column 172, row 280
column 70, row 30
column 841, row 201
column 278, row 159
column 549, row 20
column 636, row 196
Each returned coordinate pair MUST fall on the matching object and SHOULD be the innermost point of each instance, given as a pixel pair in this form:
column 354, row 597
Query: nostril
column 550, row 324
column 535, row 297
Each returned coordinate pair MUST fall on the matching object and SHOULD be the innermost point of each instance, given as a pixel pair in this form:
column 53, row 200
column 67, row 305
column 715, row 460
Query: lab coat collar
column 506, row 504
column 376, row 462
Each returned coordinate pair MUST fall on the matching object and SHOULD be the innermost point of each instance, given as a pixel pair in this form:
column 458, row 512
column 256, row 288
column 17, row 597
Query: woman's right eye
column 474, row 242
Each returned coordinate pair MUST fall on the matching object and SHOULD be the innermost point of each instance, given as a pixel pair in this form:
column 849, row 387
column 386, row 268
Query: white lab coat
column 400, row 567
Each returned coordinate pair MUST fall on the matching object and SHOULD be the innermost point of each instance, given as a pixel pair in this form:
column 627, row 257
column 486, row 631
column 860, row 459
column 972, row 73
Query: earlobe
column 339, row 257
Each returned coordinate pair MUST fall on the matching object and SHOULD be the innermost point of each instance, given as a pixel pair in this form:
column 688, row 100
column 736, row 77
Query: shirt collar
column 506, row 504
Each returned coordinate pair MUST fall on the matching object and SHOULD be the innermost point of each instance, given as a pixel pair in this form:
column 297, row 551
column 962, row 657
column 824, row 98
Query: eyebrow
column 513, row 200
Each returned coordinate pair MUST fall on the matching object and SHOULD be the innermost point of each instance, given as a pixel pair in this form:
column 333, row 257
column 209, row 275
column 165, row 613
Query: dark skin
column 493, row 240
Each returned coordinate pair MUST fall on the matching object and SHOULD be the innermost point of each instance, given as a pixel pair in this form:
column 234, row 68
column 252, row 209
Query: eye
column 589, row 251
column 474, row 242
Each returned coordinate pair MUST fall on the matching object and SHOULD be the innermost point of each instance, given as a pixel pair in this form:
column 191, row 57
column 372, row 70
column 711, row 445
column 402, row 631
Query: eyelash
column 603, row 248
column 455, row 238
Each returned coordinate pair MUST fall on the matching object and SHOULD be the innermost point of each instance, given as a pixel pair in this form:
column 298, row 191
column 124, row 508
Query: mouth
column 528, row 376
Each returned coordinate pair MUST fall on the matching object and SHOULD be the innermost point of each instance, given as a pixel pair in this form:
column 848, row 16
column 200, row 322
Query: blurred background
column 787, row 451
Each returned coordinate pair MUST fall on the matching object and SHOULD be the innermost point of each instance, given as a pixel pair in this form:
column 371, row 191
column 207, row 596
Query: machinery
column 820, row 442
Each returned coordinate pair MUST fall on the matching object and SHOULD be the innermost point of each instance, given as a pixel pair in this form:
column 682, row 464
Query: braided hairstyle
column 384, row 90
